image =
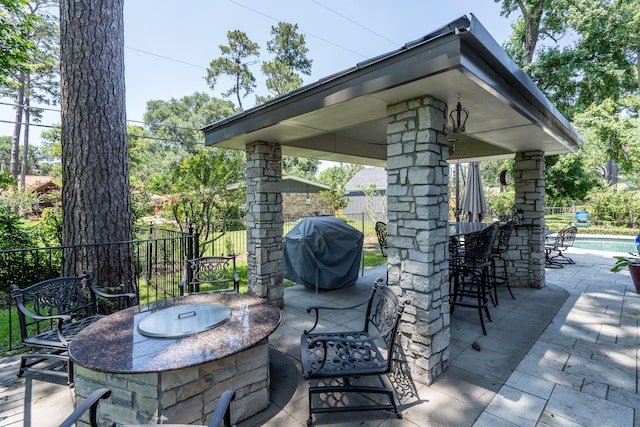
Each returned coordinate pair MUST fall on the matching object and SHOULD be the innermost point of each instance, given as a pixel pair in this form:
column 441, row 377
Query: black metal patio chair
column 470, row 284
column 51, row 313
column 342, row 366
column 499, row 273
column 558, row 244
column 381, row 232
column 210, row 274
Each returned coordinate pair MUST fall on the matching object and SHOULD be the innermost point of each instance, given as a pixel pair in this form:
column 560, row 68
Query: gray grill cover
column 322, row 250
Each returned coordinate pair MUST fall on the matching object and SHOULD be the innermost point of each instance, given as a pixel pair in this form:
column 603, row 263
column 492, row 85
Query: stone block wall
column 417, row 210
column 527, row 243
column 182, row 396
column 265, row 251
column 294, row 205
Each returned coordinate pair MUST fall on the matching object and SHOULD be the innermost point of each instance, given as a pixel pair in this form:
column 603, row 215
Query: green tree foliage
column 599, row 64
column 621, row 208
column 15, row 45
column 36, row 81
column 37, row 158
column 300, row 167
column 335, row 197
column 12, row 233
column 501, row 203
column 610, row 134
column 290, row 57
column 234, row 62
column 50, row 227
column 339, row 175
column 6, row 180
column 567, row 180
column 177, row 122
column 490, row 171
column 172, row 135
column 206, row 192
column 150, row 163
column 587, row 58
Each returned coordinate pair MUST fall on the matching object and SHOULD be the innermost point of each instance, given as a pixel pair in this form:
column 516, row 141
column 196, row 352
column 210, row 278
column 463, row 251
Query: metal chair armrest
column 105, row 294
column 222, row 412
column 317, row 309
column 90, row 404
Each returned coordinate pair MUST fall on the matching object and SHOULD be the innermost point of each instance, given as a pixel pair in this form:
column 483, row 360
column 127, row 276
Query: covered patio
column 392, row 111
column 562, row 355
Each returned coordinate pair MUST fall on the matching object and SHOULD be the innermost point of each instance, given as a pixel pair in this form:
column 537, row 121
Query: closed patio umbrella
column 473, row 201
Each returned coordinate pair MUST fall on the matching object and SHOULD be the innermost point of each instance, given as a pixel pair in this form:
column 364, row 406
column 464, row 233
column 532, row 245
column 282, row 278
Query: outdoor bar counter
column 177, row 379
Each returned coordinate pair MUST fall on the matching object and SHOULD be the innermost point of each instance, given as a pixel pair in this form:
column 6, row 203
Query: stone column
column 264, row 221
column 418, row 206
column 527, row 243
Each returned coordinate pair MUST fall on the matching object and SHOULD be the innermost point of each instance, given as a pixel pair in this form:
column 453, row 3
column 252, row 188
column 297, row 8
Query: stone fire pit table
column 177, row 379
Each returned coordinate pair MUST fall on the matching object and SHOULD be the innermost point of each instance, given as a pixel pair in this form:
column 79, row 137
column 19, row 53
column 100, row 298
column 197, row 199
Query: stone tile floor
column 564, row 355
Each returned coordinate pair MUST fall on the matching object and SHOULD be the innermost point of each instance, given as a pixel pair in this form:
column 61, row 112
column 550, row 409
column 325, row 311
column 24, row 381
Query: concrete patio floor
column 564, row 355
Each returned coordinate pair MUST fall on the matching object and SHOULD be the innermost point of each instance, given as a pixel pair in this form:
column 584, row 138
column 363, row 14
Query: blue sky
column 169, row 43
column 354, row 31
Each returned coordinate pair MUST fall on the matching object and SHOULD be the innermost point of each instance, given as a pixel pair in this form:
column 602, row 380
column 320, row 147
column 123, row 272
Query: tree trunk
column 611, row 172
column 15, row 140
column 25, row 142
column 95, row 178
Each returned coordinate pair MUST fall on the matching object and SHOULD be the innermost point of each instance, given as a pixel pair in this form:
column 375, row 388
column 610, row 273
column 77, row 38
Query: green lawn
column 558, row 222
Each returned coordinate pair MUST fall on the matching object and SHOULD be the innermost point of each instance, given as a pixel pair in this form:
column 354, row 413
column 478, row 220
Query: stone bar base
column 183, row 396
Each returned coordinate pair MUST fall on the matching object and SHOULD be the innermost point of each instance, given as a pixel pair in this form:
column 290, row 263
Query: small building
column 366, row 191
column 301, row 197
column 44, row 188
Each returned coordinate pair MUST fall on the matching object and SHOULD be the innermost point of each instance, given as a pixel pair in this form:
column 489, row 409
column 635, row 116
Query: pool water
column 606, row 244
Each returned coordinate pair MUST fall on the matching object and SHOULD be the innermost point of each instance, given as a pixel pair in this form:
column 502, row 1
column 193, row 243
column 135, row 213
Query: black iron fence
column 158, row 255
column 157, row 269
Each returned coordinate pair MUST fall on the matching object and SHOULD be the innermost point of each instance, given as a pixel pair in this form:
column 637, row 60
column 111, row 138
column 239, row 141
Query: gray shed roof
column 367, row 176
column 295, row 184
column 343, row 117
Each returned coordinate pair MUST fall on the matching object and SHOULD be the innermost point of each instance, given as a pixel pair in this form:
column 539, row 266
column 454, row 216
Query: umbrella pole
column 457, row 192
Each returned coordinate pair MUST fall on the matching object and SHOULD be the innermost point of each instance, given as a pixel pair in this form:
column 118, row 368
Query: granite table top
column 464, row 228
column 113, row 344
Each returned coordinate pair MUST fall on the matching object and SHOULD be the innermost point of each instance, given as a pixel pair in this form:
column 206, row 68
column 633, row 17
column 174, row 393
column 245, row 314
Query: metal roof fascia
column 513, row 75
column 222, row 129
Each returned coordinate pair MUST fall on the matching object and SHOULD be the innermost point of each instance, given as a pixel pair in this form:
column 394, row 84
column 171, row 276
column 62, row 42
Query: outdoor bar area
column 393, row 111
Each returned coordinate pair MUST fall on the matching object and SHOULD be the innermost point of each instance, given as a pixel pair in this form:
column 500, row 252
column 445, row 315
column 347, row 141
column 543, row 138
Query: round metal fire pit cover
column 183, row 320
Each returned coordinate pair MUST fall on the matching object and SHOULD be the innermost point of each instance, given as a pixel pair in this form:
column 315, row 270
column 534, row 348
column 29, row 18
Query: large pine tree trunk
column 95, row 178
column 17, row 127
column 25, row 143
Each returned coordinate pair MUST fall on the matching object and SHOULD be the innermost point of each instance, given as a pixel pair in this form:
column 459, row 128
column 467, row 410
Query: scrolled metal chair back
column 478, row 246
column 381, row 232
column 504, row 235
column 567, row 236
column 49, row 298
column 205, row 270
column 384, row 312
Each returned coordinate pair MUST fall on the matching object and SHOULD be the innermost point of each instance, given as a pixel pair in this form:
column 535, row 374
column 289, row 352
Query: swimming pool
column 605, row 243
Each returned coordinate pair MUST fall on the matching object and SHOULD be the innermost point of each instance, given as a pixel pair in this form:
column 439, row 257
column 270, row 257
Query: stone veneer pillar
column 527, row 243
column 264, row 221
column 418, row 206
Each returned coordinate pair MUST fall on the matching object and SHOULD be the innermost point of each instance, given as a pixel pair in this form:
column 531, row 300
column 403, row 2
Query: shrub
column 501, row 203
column 12, row 233
column 619, row 208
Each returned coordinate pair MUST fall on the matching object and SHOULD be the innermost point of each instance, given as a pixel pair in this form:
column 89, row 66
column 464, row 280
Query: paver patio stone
column 587, row 410
column 581, row 371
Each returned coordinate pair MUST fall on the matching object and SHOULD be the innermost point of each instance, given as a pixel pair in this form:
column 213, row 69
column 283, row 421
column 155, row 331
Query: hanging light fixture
column 459, row 117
